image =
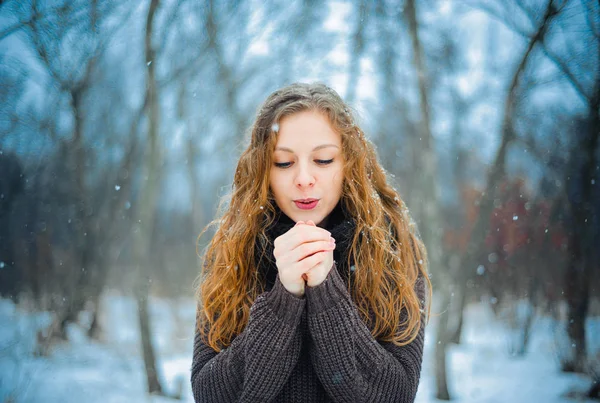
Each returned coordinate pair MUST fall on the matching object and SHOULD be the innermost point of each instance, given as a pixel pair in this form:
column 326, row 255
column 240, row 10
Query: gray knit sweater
column 311, row 349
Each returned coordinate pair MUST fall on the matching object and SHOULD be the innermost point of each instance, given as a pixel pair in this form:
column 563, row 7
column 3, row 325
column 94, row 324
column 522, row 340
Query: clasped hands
column 304, row 256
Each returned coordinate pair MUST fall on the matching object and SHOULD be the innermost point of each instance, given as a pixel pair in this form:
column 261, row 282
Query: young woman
column 313, row 287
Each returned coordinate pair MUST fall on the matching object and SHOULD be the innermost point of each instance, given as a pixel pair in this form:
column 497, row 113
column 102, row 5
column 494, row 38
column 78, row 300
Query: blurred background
column 120, row 127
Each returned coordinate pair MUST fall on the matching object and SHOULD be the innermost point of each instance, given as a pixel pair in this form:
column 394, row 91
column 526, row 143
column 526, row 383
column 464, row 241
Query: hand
column 299, row 250
column 318, row 273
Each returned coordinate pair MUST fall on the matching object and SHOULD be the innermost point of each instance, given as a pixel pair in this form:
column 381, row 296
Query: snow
column 481, row 369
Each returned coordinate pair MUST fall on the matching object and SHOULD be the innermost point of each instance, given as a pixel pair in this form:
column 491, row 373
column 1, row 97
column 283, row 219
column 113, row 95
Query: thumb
column 311, row 222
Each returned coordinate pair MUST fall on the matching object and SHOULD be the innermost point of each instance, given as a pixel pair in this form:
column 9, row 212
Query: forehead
column 306, row 129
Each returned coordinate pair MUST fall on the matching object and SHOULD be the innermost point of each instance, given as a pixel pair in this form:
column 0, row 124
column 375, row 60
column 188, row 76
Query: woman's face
column 307, row 172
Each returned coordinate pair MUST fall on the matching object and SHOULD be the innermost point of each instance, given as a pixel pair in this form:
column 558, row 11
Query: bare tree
column 224, row 70
column 358, row 46
column 428, row 191
column 583, row 235
column 146, row 205
column 72, row 72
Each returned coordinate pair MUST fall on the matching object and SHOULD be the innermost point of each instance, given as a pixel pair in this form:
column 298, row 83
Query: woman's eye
column 324, row 162
column 283, row 164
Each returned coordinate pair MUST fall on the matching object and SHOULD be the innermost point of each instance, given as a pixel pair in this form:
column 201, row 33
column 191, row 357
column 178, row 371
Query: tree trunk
column 193, row 176
column 429, row 199
column 95, row 330
column 428, row 162
column 393, row 118
column 459, row 299
column 358, row 43
column 477, row 239
column 486, row 203
column 441, row 374
column 534, row 284
column 146, row 208
column 75, row 290
column 583, row 239
column 456, row 333
column 581, row 244
column 154, row 386
column 226, row 75
column 594, row 391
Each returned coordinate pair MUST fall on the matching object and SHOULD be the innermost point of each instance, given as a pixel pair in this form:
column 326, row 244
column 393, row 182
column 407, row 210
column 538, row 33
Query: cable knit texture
column 311, row 349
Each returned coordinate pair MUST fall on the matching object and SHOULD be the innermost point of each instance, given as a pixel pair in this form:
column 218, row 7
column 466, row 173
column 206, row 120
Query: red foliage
column 517, row 224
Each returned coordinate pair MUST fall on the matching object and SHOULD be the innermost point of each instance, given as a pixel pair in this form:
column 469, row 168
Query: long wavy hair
column 386, row 250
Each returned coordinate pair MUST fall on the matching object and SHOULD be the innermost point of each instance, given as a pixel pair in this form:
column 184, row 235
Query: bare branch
column 588, row 17
column 225, row 72
column 11, row 30
column 564, row 68
column 358, row 46
column 39, row 16
column 170, row 20
column 501, row 18
column 527, row 12
column 533, row 149
column 560, row 64
column 100, row 48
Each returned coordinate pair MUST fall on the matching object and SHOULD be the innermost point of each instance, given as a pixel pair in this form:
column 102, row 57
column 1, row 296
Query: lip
column 306, row 204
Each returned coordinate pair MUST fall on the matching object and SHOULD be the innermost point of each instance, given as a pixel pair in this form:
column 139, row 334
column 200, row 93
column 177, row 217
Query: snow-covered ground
column 480, row 370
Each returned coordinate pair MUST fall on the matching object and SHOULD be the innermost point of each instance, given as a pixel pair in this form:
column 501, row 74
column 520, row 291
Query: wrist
column 297, row 290
column 327, row 294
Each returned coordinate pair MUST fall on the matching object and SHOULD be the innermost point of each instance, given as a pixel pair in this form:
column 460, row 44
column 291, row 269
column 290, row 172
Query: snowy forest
column 121, row 123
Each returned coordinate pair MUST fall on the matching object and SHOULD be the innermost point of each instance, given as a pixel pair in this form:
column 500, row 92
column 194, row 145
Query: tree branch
column 501, row 18
column 550, row 14
column 562, row 66
column 589, row 20
column 37, row 17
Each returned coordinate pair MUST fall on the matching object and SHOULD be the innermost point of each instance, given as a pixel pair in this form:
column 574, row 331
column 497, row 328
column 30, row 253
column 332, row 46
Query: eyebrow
column 289, row 150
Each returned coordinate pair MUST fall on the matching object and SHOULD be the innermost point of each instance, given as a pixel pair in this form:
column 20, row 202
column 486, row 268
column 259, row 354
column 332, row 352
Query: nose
column 304, row 176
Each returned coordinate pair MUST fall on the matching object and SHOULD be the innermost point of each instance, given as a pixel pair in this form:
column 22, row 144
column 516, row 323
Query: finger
column 310, row 262
column 318, row 267
column 303, row 251
column 297, row 234
column 311, row 222
column 301, row 234
column 310, row 248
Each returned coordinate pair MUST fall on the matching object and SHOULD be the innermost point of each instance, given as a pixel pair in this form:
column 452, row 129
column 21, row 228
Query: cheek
column 338, row 177
column 276, row 180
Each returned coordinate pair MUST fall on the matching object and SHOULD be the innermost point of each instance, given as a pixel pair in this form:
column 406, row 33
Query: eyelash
column 288, row 164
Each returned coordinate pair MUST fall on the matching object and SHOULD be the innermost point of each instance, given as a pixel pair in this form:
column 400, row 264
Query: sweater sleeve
column 257, row 364
column 350, row 363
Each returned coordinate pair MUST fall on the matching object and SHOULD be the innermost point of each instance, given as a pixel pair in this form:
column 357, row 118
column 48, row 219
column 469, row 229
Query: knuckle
column 302, row 237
